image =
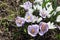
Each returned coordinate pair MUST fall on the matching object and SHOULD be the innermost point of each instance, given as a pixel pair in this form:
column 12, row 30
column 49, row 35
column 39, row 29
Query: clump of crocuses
column 37, row 26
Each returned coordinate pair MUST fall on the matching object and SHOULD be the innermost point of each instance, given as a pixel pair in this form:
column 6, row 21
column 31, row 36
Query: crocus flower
column 51, row 25
column 53, row 13
column 27, row 5
column 49, row 7
column 58, row 18
column 34, row 19
column 38, row 1
column 33, row 30
column 39, row 19
column 29, row 17
column 58, row 9
column 43, row 28
column 43, row 13
column 31, row 10
column 37, row 7
column 19, row 21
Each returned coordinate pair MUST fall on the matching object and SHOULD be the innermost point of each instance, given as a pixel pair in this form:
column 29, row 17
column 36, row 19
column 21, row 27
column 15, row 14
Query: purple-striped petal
column 43, row 28
column 33, row 30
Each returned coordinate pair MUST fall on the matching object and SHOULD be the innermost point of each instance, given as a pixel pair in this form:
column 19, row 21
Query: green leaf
column 25, row 30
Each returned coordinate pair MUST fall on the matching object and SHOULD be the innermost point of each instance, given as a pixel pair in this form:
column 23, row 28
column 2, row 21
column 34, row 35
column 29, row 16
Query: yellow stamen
column 32, row 31
column 28, row 17
column 19, row 21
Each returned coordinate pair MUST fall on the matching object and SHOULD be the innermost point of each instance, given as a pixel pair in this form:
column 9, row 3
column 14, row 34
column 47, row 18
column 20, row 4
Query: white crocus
column 51, row 25
column 39, row 19
column 38, row 7
column 48, row 15
column 31, row 10
column 54, row 12
column 58, row 18
column 58, row 9
column 35, row 19
column 38, row 1
column 49, row 7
